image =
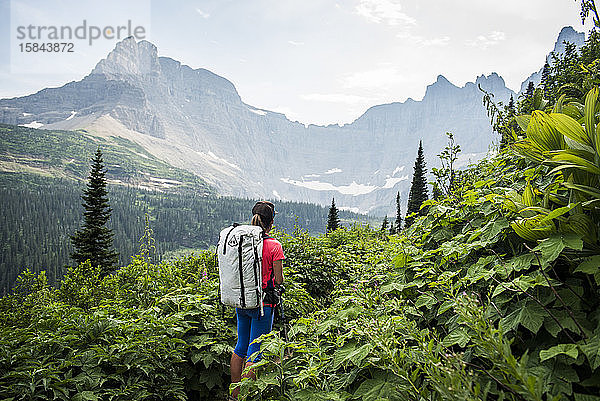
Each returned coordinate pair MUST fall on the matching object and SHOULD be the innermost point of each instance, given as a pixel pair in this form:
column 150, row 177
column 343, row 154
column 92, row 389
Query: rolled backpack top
column 239, row 255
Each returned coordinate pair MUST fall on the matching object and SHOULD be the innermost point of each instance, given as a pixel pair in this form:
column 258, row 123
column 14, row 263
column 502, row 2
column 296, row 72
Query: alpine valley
column 195, row 120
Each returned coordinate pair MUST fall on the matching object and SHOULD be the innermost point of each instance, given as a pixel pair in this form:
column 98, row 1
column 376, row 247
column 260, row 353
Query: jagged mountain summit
column 196, row 120
column 566, row 35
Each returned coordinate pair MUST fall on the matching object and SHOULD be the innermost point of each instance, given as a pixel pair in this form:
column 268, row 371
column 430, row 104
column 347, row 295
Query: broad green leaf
column 446, row 305
column 529, row 196
column 583, row 188
column 566, row 349
column 479, row 269
column 376, row 390
column 85, row 396
column 523, row 121
column 565, row 321
column 427, row 300
column 528, row 149
column 585, row 153
column 310, row 394
column 553, row 246
column 458, row 336
column 349, row 352
column 585, row 397
column 575, row 161
column 197, row 356
column 523, row 282
column 360, row 354
column 493, row 228
column 530, row 229
column 541, row 131
column 558, row 107
column 341, row 354
column 573, row 110
column 395, row 287
column 590, row 266
column 592, row 351
column 590, row 111
column 558, row 212
column 530, row 316
column 570, row 128
column 517, row 263
column 597, row 140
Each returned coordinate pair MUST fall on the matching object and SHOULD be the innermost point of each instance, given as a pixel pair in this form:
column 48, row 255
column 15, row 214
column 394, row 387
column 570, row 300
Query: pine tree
column 511, row 107
column 530, row 90
column 418, row 189
column 94, row 240
column 526, row 104
column 333, row 221
column 384, row 225
column 398, row 213
column 546, row 80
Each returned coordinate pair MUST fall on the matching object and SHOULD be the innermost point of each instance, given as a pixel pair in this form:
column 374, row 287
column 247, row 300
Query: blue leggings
column 250, row 326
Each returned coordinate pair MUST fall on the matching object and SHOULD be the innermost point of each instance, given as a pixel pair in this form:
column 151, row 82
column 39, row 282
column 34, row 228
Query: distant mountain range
column 195, row 120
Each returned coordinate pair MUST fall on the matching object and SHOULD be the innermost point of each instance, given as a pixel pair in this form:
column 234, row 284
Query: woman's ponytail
column 263, row 214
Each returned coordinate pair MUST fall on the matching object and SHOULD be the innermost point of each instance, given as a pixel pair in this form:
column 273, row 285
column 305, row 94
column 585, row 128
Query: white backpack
column 240, row 266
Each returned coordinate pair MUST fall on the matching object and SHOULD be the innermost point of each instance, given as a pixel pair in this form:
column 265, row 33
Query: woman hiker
column 250, row 324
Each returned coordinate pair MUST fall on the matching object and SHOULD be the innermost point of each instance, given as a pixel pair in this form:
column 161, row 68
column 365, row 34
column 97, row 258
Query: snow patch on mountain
column 259, row 112
column 33, row 124
column 392, row 181
column 211, row 154
column 353, row 189
column 397, row 170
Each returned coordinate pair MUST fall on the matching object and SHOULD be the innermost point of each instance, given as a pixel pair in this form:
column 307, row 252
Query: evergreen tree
column 392, row 228
column 384, row 225
column 530, row 90
column 398, row 212
column 511, row 107
column 94, row 240
column 510, row 125
column 333, row 221
column 418, row 188
column 545, row 82
column 526, row 104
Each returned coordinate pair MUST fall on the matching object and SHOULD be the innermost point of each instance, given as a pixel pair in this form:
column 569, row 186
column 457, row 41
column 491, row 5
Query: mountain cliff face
column 567, row 35
column 196, row 120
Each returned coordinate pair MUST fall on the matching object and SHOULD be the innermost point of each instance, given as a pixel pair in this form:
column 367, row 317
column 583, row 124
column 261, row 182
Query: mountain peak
column 570, row 35
column 442, row 80
column 130, row 58
column 441, row 85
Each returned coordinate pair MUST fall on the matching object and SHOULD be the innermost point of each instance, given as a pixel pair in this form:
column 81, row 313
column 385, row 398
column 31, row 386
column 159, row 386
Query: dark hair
column 263, row 213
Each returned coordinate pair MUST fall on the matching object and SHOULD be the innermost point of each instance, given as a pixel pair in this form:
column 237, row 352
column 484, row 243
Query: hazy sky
column 317, row 61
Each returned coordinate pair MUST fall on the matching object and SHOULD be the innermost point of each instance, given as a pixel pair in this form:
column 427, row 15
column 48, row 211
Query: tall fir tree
column 333, row 221
column 526, row 105
column 418, row 188
column 511, row 125
column 545, row 82
column 398, row 213
column 530, row 90
column 384, row 225
column 94, row 240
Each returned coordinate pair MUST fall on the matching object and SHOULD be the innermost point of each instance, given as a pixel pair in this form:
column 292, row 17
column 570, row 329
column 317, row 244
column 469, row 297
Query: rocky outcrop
column 195, row 119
